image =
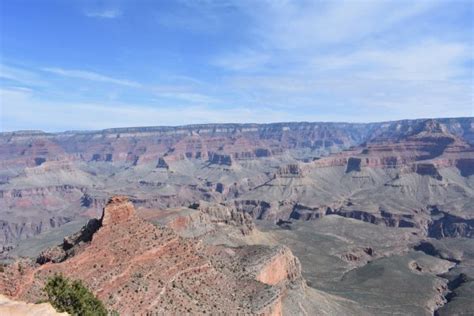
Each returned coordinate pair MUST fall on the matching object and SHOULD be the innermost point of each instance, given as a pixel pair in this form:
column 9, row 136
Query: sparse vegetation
column 73, row 297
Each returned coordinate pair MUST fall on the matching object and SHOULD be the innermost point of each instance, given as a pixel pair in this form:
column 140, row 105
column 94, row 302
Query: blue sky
column 68, row 65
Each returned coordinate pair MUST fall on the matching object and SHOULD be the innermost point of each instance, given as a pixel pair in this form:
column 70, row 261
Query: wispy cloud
column 20, row 75
column 23, row 109
column 104, row 14
column 292, row 32
column 88, row 85
column 196, row 98
column 428, row 60
column 93, row 76
column 373, row 60
column 242, row 61
column 304, row 24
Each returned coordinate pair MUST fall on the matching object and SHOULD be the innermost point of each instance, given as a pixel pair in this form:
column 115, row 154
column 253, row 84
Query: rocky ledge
column 16, row 308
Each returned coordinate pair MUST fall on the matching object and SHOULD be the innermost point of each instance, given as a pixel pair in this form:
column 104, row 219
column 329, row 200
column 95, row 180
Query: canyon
column 294, row 218
column 124, row 258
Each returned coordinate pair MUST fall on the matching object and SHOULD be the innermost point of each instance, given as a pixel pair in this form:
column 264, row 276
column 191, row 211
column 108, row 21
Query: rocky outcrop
column 17, row 308
column 358, row 256
column 220, row 159
column 205, row 218
column 438, row 225
column 162, row 163
column 118, row 210
column 290, row 171
column 427, row 169
column 227, row 215
column 13, row 231
column 71, row 244
column 307, row 213
column 444, row 224
column 382, row 217
column 9, row 195
column 256, row 209
column 353, row 164
column 136, row 267
column 280, row 268
column 428, row 248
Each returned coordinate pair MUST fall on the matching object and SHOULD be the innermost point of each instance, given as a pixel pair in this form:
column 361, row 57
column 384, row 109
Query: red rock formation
column 119, row 210
column 135, row 267
column 282, row 268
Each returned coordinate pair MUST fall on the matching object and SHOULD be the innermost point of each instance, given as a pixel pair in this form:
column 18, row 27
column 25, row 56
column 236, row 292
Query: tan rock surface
column 10, row 307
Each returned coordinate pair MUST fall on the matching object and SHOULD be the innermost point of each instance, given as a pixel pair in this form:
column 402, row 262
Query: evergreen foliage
column 73, row 297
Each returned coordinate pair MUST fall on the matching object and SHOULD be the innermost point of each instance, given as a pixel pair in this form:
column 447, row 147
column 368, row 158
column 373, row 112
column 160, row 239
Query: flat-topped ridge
column 118, row 210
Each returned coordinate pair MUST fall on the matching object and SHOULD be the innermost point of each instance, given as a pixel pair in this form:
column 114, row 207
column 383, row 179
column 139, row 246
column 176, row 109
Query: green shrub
column 73, row 297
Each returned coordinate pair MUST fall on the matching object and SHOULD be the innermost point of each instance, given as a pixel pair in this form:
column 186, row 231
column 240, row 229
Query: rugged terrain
column 47, row 180
column 124, row 259
column 380, row 215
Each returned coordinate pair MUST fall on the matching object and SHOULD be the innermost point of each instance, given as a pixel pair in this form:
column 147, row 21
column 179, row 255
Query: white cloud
column 428, row 60
column 93, row 76
column 188, row 96
column 357, row 99
column 351, row 59
column 177, row 89
column 289, row 34
column 300, row 24
column 20, row 75
column 21, row 109
column 245, row 60
column 104, row 14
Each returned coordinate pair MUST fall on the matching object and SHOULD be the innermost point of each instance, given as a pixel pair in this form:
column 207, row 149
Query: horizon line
column 182, row 126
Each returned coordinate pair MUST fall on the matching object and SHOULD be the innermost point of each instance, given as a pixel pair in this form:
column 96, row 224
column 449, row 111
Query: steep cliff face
column 282, row 267
column 118, row 211
column 290, row 171
column 220, row 159
column 135, row 267
column 427, row 140
column 203, row 219
column 227, row 215
column 12, row 231
column 240, row 141
column 444, row 224
column 71, row 244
